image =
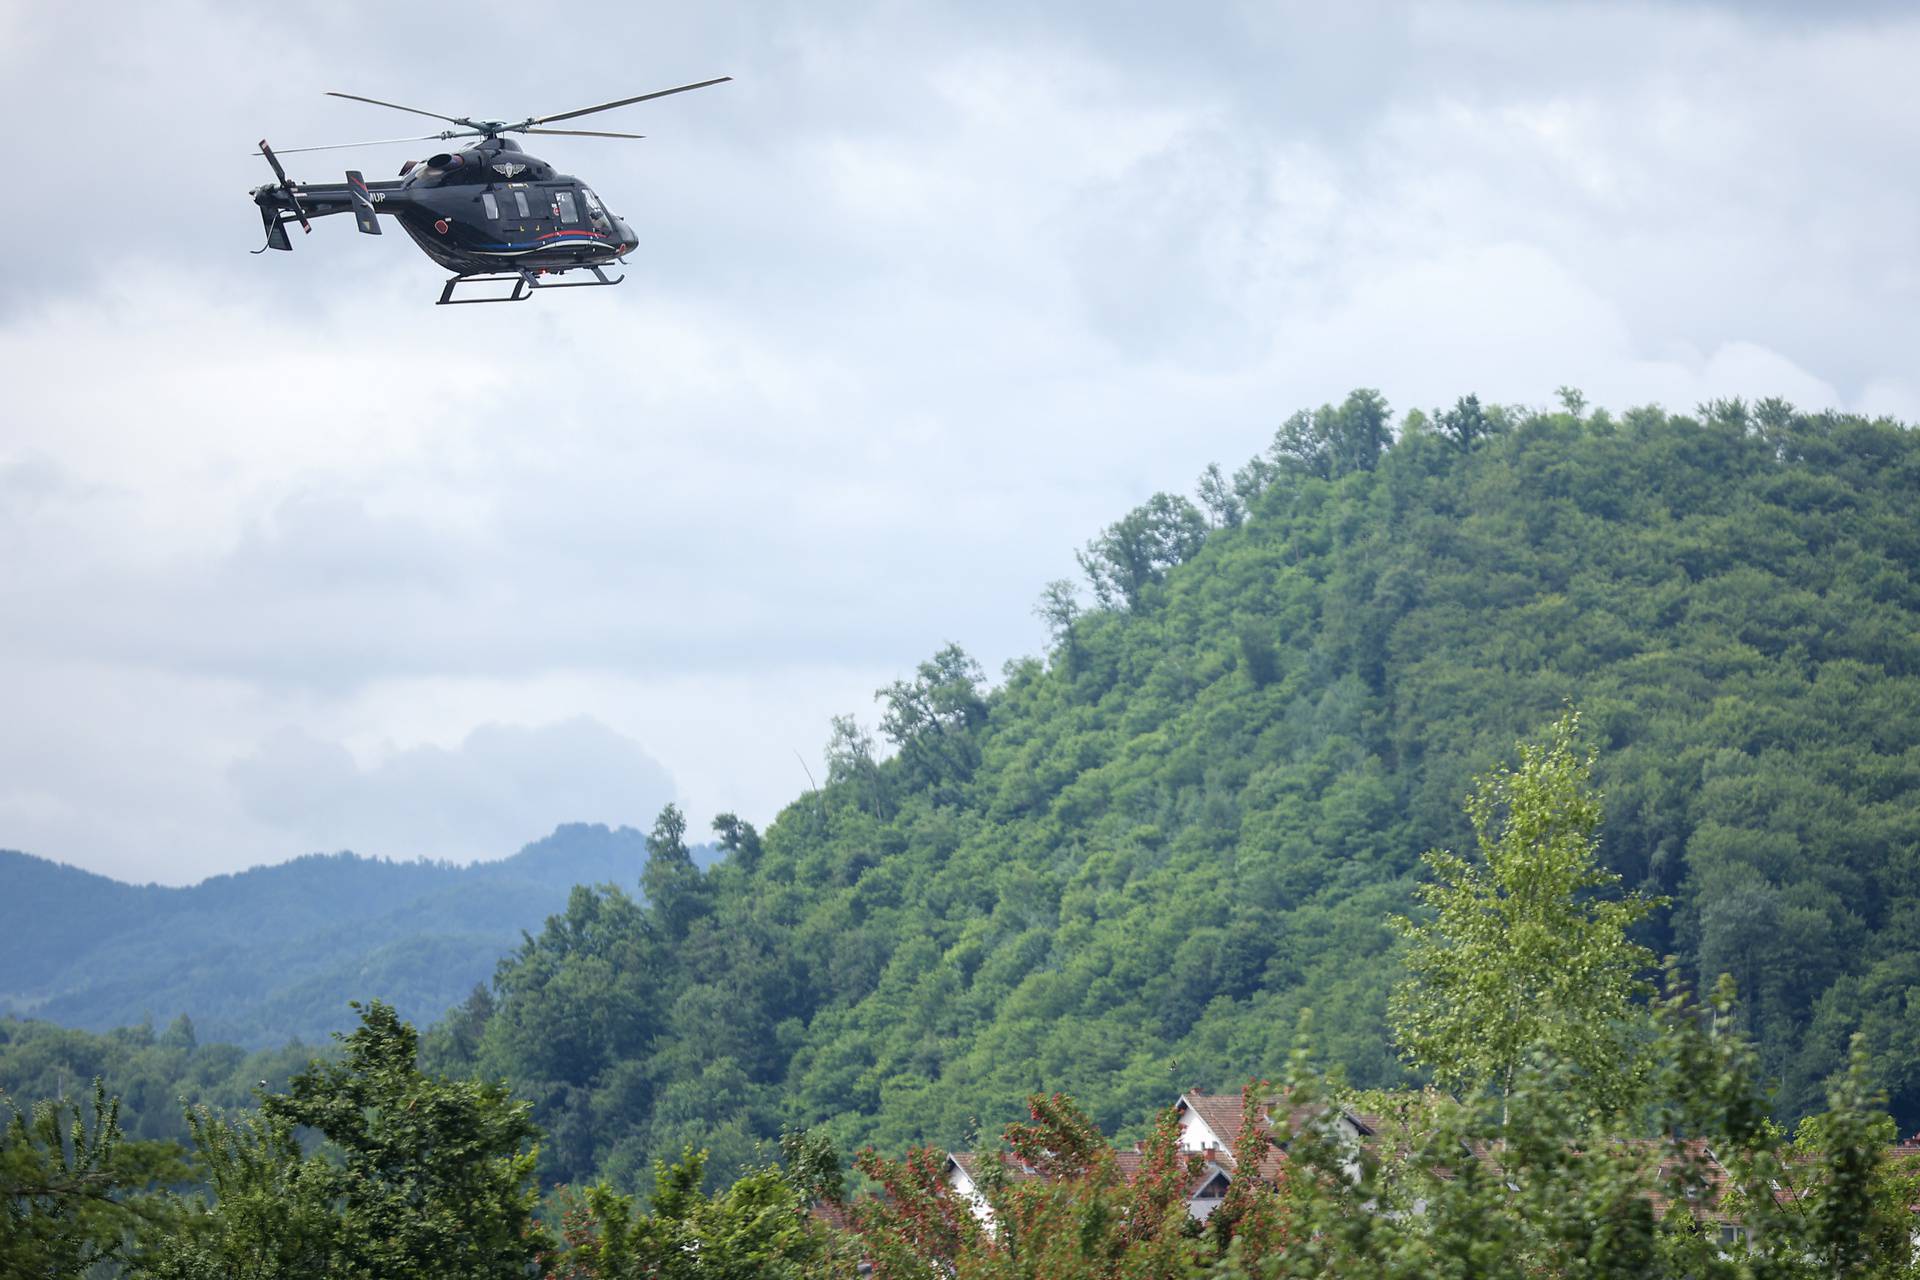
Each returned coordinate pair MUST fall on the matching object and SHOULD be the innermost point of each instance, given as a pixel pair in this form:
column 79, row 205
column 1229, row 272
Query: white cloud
column 925, row 297
column 495, row 791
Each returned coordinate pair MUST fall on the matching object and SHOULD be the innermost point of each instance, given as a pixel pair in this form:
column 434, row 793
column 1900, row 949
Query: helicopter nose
column 628, row 241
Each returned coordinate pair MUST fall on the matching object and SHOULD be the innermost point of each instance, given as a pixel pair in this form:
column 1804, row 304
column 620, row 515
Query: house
column 963, row 1178
column 1210, row 1125
column 1692, row 1175
column 1208, row 1188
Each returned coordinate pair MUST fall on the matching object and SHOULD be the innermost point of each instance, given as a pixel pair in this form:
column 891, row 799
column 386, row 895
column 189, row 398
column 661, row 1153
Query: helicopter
column 489, row 212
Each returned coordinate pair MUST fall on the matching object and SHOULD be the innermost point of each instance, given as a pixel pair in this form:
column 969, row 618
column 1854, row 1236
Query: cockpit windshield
column 596, row 215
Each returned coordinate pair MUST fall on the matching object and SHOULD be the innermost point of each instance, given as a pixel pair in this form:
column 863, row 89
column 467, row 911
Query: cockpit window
column 595, row 214
column 563, row 202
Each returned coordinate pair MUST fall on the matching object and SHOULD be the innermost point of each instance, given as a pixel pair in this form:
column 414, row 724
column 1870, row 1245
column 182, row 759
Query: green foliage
column 1511, row 1186
column 934, row 720
column 1520, row 954
column 74, row 1193
column 1129, row 866
column 671, row 881
column 1136, row 552
column 273, row 1210
column 813, row 1166
column 419, row 1175
column 150, row 1073
column 759, row 1228
column 1530, row 1185
column 1057, row 1205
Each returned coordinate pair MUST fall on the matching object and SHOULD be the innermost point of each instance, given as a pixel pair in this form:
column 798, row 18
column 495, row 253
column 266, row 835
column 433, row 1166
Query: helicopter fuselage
column 489, row 209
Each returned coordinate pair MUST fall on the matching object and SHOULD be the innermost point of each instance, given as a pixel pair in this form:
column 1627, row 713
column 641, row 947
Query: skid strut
column 524, row 283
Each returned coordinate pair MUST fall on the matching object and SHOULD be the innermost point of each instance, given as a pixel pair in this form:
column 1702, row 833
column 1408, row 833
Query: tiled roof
column 1129, row 1163
column 1222, row 1112
column 969, row 1162
column 837, row 1216
column 1705, row 1198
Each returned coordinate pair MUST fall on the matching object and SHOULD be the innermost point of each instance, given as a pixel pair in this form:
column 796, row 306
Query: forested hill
column 276, row 952
column 1130, row 866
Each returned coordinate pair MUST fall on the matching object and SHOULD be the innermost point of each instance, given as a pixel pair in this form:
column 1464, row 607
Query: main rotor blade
column 397, row 107
column 608, row 106
column 586, row 133
column 377, row 142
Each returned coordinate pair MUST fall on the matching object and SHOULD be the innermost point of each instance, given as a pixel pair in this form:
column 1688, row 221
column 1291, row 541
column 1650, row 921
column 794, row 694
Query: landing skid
column 524, row 283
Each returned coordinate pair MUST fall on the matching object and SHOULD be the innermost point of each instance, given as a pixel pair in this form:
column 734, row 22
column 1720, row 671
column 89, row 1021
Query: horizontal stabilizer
column 276, row 229
column 363, row 215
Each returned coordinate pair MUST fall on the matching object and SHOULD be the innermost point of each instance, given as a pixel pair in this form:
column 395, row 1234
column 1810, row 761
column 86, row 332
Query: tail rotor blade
column 293, row 197
column 273, row 160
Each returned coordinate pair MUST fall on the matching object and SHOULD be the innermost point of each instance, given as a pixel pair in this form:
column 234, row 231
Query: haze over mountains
column 276, row 952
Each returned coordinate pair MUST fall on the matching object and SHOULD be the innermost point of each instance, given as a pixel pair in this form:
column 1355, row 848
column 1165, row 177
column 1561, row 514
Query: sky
column 293, row 560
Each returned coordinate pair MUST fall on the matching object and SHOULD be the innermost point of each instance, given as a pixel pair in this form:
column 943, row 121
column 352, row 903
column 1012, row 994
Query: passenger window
column 520, row 202
column 563, row 201
column 491, row 205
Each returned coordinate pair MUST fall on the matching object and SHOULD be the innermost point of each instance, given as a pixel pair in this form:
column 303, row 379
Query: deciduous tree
column 1523, row 950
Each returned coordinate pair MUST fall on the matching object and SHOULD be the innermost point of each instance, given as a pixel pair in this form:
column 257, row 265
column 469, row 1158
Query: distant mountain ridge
column 263, row 955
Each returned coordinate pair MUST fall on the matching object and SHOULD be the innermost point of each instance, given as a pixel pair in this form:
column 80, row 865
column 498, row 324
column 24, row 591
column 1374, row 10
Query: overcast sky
column 292, row 560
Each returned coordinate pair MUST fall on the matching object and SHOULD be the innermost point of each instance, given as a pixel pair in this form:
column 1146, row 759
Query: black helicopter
column 489, row 213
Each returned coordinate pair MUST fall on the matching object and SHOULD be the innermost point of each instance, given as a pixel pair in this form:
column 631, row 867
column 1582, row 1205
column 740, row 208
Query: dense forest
column 1134, row 862
column 276, row 952
column 1581, row 1129
column 1130, row 864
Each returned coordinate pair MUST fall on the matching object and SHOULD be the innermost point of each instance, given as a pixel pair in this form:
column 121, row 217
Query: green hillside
column 276, row 952
column 1130, row 866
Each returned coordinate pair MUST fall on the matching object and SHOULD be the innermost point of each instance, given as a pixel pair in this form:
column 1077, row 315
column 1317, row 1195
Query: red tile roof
column 969, row 1162
column 1129, row 1163
column 1221, row 1112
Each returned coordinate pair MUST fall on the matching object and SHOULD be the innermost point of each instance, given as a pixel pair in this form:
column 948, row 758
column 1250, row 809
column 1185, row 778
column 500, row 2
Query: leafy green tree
column 675, row 889
column 813, row 1165
column 1520, row 953
column 1854, row 1208
column 74, row 1193
column 757, row 1229
column 273, row 1211
column 1059, row 607
column 423, row 1177
column 1057, row 1205
column 1465, row 425
column 852, row 767
column 739, row 840
column 1335, row 440
column 1218, row 495
column 934, row 719
column 1136, row 551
